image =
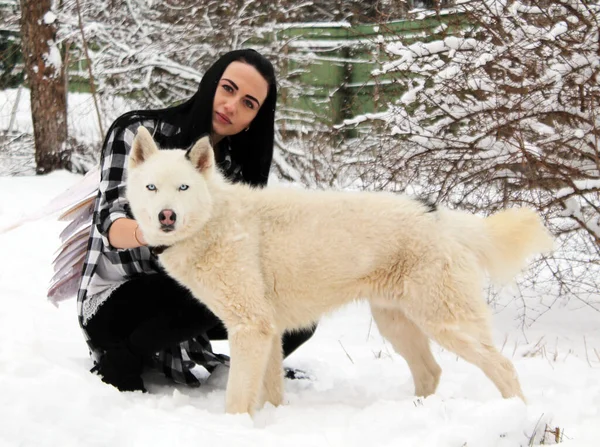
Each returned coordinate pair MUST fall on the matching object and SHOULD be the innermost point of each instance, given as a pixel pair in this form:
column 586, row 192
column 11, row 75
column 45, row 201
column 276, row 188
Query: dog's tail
column 505, row 240
column 516, row 235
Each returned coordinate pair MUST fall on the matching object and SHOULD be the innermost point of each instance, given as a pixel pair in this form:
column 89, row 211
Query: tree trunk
column 46, row 77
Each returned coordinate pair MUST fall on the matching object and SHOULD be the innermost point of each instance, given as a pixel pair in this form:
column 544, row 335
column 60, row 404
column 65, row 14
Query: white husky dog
column 276, row 259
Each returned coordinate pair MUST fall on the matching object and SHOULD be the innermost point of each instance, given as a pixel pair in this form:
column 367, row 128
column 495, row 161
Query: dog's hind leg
column 472, row 341
column 412, row 344
column 273, row 379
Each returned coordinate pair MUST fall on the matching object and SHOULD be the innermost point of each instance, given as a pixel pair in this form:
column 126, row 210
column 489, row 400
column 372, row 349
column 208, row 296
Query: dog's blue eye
column 184, row 187
column 151, row 187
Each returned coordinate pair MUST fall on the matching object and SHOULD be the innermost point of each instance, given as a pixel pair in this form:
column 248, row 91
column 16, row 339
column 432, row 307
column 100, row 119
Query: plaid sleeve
column 112, row 203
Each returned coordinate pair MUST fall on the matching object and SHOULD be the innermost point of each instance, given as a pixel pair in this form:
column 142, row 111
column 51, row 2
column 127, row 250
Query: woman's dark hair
column 253, row 148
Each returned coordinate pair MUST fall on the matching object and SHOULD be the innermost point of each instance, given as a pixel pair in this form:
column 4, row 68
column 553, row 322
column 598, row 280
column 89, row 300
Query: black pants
column 150, row 313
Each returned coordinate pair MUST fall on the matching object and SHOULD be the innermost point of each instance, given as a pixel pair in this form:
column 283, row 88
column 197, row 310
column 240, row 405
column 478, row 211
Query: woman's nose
column 229, row 106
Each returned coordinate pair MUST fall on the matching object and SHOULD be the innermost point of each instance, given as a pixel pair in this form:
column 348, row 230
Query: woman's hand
column 139, row 236
column 126, row 233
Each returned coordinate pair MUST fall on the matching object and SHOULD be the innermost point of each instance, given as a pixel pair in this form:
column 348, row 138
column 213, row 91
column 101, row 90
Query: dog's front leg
column 273, row 380
column 250, row 347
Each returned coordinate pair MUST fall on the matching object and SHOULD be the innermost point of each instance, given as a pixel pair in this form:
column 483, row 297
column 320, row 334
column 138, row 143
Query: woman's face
column 240, row 93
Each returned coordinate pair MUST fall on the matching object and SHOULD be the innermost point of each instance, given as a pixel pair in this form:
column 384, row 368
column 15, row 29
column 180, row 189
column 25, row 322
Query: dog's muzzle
column 167, row 219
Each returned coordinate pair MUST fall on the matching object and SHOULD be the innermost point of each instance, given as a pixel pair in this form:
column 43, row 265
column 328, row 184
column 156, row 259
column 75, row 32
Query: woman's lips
column 223, row 119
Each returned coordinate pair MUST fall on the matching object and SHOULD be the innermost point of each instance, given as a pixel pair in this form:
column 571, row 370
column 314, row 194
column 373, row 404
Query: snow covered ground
column 360, row 393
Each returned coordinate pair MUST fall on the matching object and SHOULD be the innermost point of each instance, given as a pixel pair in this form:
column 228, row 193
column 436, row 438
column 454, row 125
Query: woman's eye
column 184, row 188
column 151, row 187
column 227, row 88
column 249, row 104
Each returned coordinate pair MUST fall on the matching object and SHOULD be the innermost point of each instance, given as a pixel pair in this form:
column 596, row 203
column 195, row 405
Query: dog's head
column 168, row 190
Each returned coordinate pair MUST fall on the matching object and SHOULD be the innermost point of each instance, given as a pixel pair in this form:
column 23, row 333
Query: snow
column 360, row 392
column 411, row 95
column 294, row 25
column 557, row 30
column 53, row 57
column 49, row 18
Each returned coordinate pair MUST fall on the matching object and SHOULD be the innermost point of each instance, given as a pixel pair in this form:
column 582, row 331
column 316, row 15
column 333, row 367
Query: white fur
column 270, row 260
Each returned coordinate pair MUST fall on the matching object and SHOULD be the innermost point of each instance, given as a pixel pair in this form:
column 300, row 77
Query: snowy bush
column 502, row 113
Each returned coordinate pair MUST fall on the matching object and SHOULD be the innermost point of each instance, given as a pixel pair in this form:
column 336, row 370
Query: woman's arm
column 113, row 219
column 126, row 233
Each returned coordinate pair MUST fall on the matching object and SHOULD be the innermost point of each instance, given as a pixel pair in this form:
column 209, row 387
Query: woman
column 131, row 313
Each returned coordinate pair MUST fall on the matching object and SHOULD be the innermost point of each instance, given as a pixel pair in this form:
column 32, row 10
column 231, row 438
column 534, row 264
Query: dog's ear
column 201, row 155
column 143, row 147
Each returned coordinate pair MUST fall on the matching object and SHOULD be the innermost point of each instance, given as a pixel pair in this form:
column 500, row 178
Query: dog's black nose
column 167, row 217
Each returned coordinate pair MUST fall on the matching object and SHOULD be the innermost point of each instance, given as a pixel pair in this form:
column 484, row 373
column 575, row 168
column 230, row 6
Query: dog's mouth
column 167, row 228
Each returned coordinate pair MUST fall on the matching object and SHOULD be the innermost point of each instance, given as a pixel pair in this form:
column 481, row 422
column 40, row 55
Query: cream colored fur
column 275, row 259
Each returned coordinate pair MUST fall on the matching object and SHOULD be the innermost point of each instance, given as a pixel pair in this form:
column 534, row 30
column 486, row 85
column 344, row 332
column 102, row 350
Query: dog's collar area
column 159, row 249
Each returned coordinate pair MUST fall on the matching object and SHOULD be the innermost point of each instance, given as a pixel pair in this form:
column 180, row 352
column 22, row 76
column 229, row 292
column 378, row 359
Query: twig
column 14, row 110
column 89, row 65
column 348, row 355
column 544, row 353
column 557, row 432
column 539, row 348
column 505, row 341
column 532, row 437
column 385, row 345
column 586, row 352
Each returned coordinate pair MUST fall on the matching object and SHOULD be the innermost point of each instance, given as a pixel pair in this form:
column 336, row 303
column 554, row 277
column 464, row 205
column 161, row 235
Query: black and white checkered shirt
column 106, row 267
